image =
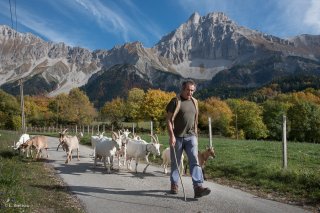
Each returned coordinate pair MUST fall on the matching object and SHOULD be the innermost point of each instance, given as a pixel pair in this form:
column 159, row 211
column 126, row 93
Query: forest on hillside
column 259, row 115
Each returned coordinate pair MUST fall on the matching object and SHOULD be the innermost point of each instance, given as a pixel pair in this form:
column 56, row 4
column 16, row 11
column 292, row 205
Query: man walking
column 182, row 122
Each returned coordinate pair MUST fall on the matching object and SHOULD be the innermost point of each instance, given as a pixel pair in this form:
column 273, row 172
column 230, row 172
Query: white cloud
column 125, row 19
column 312, row 16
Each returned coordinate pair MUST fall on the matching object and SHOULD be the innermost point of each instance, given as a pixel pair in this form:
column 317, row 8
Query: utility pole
column 23, row 121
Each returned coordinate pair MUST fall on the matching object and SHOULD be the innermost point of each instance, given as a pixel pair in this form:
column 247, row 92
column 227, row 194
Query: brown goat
column 37, row 142
column 203, row 158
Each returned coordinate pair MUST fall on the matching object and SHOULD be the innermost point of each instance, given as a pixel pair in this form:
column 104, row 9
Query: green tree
column 273, row 112
column 9, row 111
column 248, row 118
column 304, row 121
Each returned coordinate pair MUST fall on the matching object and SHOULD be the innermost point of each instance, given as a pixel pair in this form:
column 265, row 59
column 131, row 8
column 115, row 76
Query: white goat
column 23, row 139
column 69, row 143
column 95, row 139
column 124, row 135
column 166, row 160
column 140, row 149
column 107, row 148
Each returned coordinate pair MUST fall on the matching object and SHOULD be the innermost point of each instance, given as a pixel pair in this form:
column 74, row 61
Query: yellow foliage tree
column 74, row 108
column 154, row 106
column 220, row 113
column 134, row 103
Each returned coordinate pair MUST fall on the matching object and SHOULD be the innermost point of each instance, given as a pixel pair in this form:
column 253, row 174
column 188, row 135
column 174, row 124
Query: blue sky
column 102, row 24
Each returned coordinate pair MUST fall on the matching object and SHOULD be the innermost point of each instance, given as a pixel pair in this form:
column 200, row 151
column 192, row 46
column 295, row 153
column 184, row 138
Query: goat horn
column 64, row 131
column 155, row 141
column 115, row 134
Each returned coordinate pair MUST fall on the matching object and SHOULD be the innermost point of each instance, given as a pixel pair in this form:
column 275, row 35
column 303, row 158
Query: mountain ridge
column 211, row 49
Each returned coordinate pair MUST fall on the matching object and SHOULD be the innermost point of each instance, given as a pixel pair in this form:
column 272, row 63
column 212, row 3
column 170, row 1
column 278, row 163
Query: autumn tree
column 59, row 108
column 248, row 118
column 114, row 111
column 74, row 108
column 220, row 113
column 134, row 104
column 154, row 106
column 84, row 112
column 37, row 111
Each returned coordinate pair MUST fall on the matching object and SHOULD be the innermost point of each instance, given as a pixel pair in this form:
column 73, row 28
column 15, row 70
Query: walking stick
column 175, row 157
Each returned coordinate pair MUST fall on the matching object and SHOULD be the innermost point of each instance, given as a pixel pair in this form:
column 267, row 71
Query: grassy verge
column 30, row 186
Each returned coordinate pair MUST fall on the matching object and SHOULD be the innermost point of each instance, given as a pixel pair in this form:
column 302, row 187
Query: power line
column 11, row 14
column 15, row 13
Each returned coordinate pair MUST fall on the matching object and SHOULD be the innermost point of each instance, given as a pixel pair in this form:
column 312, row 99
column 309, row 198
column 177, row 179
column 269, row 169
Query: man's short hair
column 186, row 82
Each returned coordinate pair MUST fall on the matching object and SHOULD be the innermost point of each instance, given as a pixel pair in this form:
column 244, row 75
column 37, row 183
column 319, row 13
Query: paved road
column 125, row 191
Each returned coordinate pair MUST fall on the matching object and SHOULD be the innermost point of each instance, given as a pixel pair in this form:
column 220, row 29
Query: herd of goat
column 122, row 145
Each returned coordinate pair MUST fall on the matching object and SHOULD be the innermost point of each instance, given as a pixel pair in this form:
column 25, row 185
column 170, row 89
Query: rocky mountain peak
column 194, row 18
column 218, row 18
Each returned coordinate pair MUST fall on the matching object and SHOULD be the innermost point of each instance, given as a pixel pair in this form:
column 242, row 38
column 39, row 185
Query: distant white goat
column 122, row 153
column 141, row 149
column 166, row 160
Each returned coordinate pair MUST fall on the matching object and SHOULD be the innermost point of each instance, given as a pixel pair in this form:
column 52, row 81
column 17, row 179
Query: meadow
column 254, row 166
column 257, row 166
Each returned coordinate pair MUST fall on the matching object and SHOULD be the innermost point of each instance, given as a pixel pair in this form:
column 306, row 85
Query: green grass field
column 255, row 166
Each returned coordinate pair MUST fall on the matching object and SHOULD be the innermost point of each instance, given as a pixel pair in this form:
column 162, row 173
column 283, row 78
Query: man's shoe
column 174, row 189
column 200, row 191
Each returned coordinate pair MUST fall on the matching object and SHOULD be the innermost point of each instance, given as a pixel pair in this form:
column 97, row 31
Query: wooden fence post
column 210, row 132
column 284, row 142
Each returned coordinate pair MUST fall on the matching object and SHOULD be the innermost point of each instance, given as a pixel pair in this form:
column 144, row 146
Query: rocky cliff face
column 211, row 48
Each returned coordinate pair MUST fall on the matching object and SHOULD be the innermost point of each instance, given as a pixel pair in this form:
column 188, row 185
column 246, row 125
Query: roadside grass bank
column 27, row 185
